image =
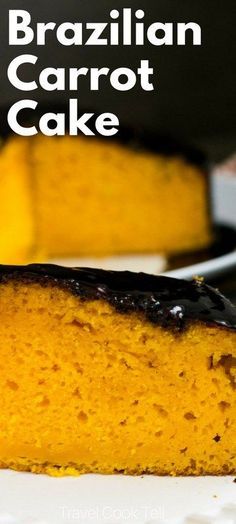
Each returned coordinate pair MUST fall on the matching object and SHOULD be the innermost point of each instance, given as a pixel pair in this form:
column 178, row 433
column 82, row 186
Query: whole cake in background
column 77, row 196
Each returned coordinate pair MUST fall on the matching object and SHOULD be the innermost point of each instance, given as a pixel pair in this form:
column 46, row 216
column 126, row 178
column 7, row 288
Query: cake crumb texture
column 85, row 388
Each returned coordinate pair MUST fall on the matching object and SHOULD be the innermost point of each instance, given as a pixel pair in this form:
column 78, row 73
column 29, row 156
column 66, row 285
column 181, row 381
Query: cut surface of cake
column 17, row 235
column 103, row 198
column 94, row 197
column 112, row 372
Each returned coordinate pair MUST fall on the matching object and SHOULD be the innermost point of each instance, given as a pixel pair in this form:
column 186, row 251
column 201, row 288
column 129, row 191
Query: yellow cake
column 17, row 235
column 89, row 196
column 115, row 372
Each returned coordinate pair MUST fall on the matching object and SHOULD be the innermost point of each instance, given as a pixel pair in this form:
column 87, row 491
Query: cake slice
column 78, row 196
column 115, row 372
column 16, row 210
column 103, row 197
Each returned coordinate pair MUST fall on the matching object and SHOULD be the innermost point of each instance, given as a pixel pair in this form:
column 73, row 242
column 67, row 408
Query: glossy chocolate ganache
column 164, row 301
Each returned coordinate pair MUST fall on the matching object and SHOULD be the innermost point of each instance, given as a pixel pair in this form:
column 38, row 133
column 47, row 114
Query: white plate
column 223, row 185
column 147, row 263
column 223, row 190
column 31, row 499
column 209, row 269
column 155, row 264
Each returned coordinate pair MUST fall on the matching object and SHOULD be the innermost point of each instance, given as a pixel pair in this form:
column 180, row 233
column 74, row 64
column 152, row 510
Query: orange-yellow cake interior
column 85, row 388
column 102, row 198
column 17, row 235
column 92, row 196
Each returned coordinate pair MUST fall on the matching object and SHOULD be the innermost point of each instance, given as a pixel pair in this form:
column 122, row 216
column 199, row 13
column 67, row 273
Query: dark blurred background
column 195, row 90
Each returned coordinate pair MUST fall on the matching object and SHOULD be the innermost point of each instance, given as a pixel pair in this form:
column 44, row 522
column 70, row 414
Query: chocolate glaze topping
column 164, row 301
